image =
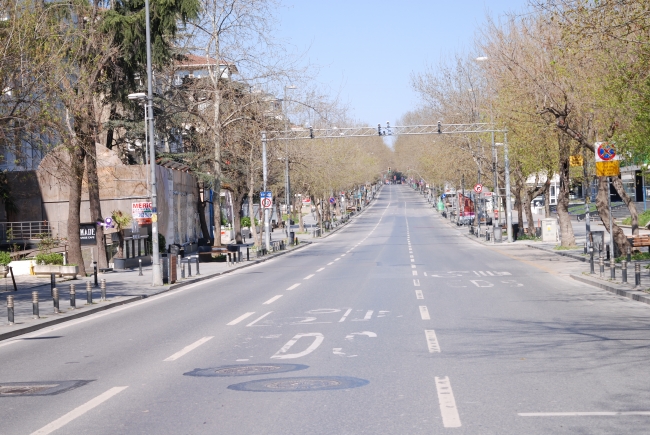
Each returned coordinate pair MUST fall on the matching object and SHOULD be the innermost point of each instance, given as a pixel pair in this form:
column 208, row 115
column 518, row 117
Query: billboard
column 141, row 212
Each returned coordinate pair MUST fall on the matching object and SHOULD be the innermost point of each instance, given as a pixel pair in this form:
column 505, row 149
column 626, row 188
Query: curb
column 562, row 253
column 36, row 327
column 619, row 290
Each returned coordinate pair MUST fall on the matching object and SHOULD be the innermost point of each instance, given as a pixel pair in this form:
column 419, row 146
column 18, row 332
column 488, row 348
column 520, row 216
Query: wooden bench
column 640, row 242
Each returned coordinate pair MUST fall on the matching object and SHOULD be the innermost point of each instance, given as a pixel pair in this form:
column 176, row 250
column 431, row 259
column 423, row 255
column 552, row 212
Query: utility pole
column 267, row 232
column 155, row 255
column 507, row 174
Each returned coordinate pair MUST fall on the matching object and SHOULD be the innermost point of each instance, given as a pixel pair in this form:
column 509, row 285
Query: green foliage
column 5, row 258
column 644, row 218
column 246, row 222
column 49, row 258
column 121, row 219
column 527, row 237
column 46, row 242
column 637, row 256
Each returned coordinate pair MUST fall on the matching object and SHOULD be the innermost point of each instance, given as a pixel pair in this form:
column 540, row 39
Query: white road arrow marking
column 282, row 353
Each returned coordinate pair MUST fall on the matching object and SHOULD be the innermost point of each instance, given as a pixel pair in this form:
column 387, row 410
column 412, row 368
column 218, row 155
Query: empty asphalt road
column 394, row 325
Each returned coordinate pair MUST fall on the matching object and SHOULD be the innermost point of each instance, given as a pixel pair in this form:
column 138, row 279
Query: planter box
column 47, row 269
column 69, row 271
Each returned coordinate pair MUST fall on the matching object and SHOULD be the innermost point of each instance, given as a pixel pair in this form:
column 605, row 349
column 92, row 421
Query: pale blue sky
column 369, row 49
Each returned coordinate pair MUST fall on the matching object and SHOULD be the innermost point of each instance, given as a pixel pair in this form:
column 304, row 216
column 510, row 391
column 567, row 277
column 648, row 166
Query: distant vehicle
column 399, row 181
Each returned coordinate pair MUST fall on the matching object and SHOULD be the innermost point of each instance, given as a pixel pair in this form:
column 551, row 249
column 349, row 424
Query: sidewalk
column 122, row 287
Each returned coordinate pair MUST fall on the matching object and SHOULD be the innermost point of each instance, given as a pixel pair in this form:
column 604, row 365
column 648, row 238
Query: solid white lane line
column 415, row 272
column 321, row 269
column 424, row 312
column 329, row 264
column 448, row 410
column 79, row 411
column 580, row 414
column 293, row 286
column 419, row 294
column 368, row 315
column 308, row 276
column 273, row 299
column 432, row 341
column 240, row 318
column 416, row 282
column 259, row 318
column 347, row 313
column 187, row 349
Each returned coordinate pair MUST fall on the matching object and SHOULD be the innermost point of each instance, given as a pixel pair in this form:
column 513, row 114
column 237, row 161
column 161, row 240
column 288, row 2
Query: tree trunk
column 216, row 204
column 120, row 246
column 200, row 208
column 531, row 194
column 520, row 211
column 603, row 213
column 618, row 185
column 301, row 223
column 95, row 204
column 566, row 229
column 547, row 202
column 237, row 199
column 74, row 208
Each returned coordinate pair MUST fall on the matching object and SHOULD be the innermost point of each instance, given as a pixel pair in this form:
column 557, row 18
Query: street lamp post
column 155, row 255
column 287, row 187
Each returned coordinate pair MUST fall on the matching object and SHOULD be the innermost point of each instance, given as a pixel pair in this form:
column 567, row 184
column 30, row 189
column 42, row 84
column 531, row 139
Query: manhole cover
column 47, row 388
column 281, row 385
column 246, row 370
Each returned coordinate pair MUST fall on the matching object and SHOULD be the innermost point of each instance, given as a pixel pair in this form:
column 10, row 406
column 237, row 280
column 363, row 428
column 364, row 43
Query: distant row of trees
column 560, row 77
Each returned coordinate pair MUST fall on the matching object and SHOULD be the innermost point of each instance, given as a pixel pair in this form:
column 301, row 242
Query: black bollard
column 197, row 266
column 637, row 274
column 591, row 260
column 73, row 296
column 182, row 270
column 10, row 309
column 95, row 273
column 189, row 267
column 52, row 283
column 11, row 271
column 55, row 299
column 612, row 268
column 624, row 270
column 102, row 285
column 35, row 305
column 140, row 266
column 89, row 293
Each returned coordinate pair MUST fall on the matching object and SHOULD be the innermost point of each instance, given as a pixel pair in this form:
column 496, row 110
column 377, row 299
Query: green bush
column 644, row 218
column 162, row 244
column 50, row 258
column 5, row 258
column 246, row 222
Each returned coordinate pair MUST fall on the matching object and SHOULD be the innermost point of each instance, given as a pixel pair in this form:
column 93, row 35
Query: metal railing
column 30, row 230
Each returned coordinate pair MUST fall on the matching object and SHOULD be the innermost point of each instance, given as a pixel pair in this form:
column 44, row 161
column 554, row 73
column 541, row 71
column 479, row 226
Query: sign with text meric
column 266, row 199
column 607, row 160
column 141, row 212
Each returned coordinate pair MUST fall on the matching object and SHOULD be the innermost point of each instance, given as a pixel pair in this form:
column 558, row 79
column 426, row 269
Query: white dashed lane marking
column 259, row 318
column 448, row 410
column 240, row 318
column 273, row 299
column 293, row 286
column 432, row 341
column 308, row 276
column 187, row 349
column 419, row 294
column 424, row 313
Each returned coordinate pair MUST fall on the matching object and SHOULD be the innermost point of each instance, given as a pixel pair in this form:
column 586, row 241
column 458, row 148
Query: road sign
column 108, row 222
column 332, row 200
column 266, row 199
column 607, row 161
column 478, row 188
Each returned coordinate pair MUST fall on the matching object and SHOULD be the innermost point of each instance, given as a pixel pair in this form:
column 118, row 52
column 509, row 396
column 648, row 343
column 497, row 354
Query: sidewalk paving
column 122, row 287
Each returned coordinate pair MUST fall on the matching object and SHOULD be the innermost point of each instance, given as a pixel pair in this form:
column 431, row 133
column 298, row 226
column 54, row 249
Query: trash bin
column 292, row 236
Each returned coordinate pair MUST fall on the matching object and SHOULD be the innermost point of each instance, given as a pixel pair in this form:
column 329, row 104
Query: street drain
column 246, row 370
column 282, row 385
column 46, row 388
